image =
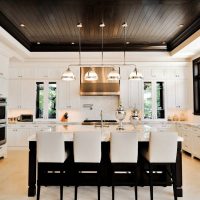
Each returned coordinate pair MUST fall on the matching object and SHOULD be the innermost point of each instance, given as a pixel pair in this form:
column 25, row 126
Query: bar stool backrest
column 124, row 147
column 163, row 147
column 87, row 147
column 50, row 147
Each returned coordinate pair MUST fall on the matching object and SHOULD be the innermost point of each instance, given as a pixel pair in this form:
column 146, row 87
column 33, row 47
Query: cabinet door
column 64, row 94
column 3, row 87
column 182, row 94
column 22, row 137
column 196, row 142
column 14, row 94
column 135, row 94
column 27, row 94
column 171, row 94
column 12, row 137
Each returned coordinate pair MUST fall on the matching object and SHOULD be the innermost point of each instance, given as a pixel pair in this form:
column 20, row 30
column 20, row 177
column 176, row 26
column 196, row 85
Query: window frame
column 46, row 86
column 196, row 66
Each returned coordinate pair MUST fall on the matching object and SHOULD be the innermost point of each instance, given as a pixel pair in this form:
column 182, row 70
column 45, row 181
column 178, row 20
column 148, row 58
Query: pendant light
column 113, row 75
column 68, row 75
column 91, row 75
column 135, row 75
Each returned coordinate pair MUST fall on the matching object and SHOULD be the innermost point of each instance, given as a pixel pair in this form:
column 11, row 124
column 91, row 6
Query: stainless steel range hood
column 101, row 87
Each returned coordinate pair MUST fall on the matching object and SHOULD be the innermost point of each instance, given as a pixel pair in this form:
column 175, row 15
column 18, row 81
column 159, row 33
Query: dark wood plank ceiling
column 152, row 24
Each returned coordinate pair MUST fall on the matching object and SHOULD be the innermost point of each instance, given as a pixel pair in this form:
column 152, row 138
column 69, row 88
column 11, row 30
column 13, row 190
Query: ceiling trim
column 189, row 31
column 96, row 47
column 12, row 30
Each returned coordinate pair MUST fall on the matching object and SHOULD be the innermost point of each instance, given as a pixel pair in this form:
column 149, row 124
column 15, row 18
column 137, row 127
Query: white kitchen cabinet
column 64, row 96
column 21, row 94
column 4, row 71
column 18, row 137
column 3, row 87
column 135, row 94
column 196, row 142
column 47, row 73
column 177, row 74
column 130, row 90
column 22, row 73
column 177, row 94
column 186, row 133
column 153, row 74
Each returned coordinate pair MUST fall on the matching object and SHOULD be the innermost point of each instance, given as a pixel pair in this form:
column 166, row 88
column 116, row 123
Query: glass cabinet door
column 154, row 100
column 46, row 93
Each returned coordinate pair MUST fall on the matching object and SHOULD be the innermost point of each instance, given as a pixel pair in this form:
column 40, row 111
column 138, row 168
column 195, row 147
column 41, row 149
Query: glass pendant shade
column 135, row 75
column 91, row 75
column 113, row 75
column 68, row 75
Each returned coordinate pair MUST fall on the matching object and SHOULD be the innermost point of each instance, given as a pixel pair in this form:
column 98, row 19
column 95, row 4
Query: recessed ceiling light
column 79, row 25
column 180, row 25
column 38, row 42
column 127, row 42
column 22, row 25
column 102, row 25
column 124, row 24
column 73, row 43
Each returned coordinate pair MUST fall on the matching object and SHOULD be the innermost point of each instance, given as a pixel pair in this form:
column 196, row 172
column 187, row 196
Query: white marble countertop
column 142, row 131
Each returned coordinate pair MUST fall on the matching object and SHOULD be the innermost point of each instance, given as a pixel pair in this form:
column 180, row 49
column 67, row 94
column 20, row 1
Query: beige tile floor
column 13, row 183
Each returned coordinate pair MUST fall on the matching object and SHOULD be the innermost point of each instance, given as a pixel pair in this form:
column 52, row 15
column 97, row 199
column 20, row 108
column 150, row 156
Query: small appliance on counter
column 25, row 118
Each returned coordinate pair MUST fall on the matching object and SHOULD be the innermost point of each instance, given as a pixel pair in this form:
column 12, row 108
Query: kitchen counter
column 142, row 131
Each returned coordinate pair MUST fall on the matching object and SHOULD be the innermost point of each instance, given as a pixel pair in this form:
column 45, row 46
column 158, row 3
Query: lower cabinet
column 196, row 142
column 191, row 136
column 19, row 135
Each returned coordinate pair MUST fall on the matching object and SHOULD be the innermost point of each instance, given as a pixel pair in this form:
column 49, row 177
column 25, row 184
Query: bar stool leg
column 150, row 181
column 76, row 191
column 113, row 192
column 98, row 181
column 38, row 192
column 61, row 192
column 136, row 183
column 173, row 170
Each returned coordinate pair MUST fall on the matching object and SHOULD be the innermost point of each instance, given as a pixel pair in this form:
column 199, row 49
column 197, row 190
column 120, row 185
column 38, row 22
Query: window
column 154, row 100
column 196, row 85
column 46, row 100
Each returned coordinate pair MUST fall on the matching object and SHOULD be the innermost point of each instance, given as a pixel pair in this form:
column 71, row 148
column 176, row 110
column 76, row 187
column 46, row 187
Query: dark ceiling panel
column 53, row 23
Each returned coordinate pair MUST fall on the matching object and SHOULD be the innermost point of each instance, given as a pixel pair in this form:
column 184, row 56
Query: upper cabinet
column 48, row 73
column 22, row 73
column 130, row 90
column 21, row 94
column 153, row 74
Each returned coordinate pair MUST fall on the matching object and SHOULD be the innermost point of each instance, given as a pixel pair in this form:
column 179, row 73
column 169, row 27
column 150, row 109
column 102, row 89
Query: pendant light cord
column 79, row 41
column 102, row 32
column 124, row 45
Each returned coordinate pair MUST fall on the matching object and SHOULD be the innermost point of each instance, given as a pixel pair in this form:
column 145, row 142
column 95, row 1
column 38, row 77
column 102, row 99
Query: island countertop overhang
column 142, row 131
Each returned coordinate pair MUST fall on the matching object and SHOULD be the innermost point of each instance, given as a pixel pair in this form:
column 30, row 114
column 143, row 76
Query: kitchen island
column 142, row 131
